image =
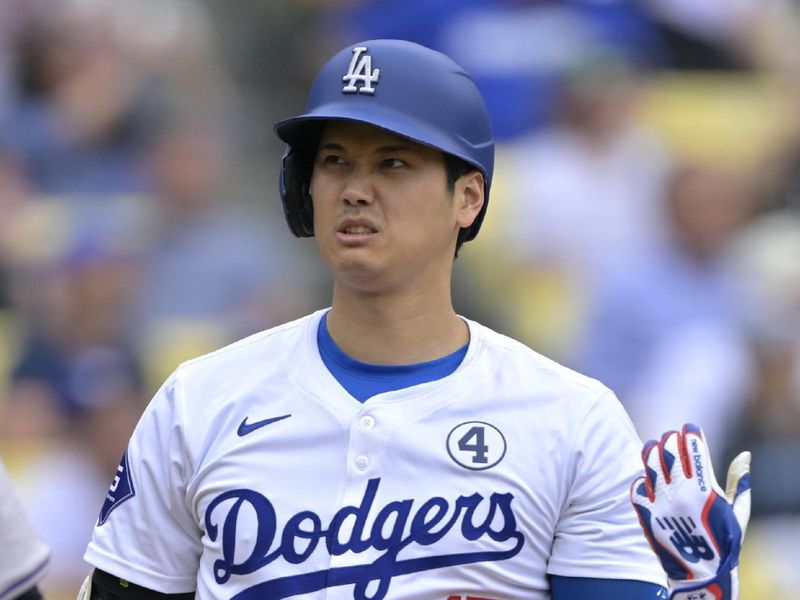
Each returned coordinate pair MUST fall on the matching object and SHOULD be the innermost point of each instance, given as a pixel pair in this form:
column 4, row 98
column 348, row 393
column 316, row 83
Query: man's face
column 383, row 213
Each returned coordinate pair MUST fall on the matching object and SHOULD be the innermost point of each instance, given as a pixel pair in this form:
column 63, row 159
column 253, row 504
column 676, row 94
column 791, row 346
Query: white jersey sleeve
column 24, row 556
column 146, row 533
column 597, row 534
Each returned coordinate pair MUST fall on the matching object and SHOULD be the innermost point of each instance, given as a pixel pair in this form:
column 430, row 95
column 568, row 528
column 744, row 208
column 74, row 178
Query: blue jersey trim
column 364, row 380
column 581, row 588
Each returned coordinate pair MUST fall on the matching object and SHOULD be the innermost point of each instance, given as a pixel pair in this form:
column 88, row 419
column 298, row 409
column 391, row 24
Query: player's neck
column 394, row 330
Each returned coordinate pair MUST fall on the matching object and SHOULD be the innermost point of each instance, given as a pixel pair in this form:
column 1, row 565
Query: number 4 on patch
column 476, row 445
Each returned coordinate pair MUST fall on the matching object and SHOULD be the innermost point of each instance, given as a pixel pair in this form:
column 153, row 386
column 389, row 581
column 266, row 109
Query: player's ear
column 469, row 196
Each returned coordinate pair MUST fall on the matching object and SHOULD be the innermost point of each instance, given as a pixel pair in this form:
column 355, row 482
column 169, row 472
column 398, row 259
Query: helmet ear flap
column 295, row 196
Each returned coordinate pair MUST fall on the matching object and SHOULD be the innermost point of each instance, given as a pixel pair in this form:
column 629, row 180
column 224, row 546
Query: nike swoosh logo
column 245, row 427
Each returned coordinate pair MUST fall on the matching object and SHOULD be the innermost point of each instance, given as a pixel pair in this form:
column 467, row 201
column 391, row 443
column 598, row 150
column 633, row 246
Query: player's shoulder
column 524, row 367
column 542, row 390
column 267, row 349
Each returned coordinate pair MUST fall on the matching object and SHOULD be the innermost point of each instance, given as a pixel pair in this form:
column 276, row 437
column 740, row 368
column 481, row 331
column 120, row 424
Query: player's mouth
column 355, row 230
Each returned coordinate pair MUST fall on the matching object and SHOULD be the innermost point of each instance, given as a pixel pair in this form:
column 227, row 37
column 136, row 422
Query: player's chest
column 381, row 498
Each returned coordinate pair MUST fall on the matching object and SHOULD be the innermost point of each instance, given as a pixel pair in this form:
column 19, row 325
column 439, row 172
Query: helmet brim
column 293, row 130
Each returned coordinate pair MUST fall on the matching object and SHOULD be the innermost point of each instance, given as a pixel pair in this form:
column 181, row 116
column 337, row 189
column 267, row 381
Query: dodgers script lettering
column 395, row 527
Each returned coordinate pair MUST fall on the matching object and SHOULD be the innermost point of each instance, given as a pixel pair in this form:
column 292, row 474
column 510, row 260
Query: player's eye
column 393, row 163
column 332, row 159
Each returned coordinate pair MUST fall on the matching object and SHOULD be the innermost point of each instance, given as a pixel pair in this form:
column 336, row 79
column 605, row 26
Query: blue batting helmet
column 397, row 85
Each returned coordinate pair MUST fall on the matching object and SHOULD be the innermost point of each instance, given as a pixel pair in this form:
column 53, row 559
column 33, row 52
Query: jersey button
column 362, row 462
column 367, row 422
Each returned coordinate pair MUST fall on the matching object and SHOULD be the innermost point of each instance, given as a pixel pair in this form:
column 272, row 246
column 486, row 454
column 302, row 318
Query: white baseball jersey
column 23, row 554
column 254, row 474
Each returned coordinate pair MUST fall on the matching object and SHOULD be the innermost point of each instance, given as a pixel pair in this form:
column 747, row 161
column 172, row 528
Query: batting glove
column 85, row 592
column 694, row 527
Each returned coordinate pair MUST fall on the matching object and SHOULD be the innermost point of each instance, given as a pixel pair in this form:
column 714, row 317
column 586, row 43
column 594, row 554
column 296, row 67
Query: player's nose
column 358, row 189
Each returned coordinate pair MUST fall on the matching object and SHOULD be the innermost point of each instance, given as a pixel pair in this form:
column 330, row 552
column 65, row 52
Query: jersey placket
column 367, row 438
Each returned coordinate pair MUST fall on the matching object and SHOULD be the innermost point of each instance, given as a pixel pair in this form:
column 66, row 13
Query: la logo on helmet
column 360, row 71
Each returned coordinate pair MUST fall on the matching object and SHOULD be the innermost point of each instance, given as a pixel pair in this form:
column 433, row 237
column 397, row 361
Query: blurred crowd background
column 644, row 224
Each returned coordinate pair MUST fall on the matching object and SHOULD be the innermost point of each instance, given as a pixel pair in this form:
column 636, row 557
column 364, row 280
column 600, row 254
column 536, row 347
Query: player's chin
column 355, row 248
column 360, row 269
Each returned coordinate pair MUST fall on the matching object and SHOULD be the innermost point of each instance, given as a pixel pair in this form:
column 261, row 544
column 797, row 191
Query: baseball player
column 23, row 555
column 385, row 447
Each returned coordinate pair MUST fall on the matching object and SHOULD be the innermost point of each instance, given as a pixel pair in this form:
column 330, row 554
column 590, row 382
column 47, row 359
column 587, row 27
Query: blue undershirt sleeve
column 584, row 588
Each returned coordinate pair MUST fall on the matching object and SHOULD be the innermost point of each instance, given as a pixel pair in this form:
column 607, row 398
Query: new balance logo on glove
column 690, row 546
